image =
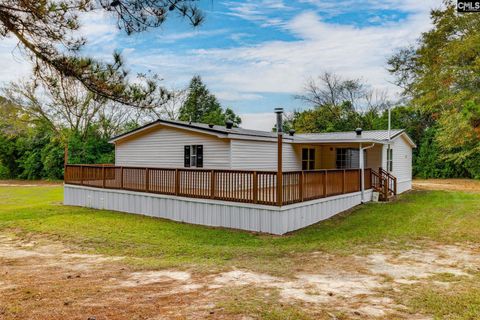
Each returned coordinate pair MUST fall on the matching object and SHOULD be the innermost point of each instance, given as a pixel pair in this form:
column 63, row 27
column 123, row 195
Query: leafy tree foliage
column 441, row 77
column 90, row 148
column 202, row 106
column 67, row 105
column 429, row 163
column 335, row 108
column 38, row 120
column 47, row 32
column 338, row 104
column 31, row 148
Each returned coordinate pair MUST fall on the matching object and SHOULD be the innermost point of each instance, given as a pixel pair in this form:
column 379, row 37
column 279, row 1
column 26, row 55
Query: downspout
column 362, row 169
column 389, row 130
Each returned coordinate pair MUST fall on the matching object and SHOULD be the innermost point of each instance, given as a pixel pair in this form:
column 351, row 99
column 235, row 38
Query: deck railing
column 229, row 185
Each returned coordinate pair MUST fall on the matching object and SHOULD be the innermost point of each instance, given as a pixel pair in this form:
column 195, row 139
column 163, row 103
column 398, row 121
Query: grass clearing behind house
column 442, row 216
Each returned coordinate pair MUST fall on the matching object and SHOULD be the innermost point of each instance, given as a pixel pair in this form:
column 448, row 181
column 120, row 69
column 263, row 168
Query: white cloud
column 336, row 7
column 246, row 72
column 95, row 26
column 258, row 121
column 236, row 96
column 283, row 66
column 172, row 37
column 257, row 11
column 14, row 64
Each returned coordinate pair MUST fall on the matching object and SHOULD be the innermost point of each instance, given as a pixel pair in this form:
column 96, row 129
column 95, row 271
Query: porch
column 255, row 187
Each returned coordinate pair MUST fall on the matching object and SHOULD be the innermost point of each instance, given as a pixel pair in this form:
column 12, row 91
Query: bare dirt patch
column 469, row 185
column 47, row 280
column 29, row 183
column 143, row 278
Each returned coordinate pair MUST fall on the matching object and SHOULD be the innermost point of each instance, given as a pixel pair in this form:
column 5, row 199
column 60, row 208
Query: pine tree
column 202, row 106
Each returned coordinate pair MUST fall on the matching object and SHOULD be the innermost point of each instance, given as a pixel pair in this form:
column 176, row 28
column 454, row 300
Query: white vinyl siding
column 402, row 159
column 402, row 162
column 262, row 155
column 164, row 148
column 374, row 157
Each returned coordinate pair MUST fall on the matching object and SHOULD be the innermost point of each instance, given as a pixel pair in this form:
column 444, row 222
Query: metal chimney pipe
column 279, row 112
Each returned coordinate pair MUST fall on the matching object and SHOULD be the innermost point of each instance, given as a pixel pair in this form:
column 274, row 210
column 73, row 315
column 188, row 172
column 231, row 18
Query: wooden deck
column 228, row 185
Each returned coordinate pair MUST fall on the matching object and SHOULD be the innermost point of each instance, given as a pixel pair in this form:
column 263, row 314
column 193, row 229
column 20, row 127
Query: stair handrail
column 390, row 179
column 378, row 182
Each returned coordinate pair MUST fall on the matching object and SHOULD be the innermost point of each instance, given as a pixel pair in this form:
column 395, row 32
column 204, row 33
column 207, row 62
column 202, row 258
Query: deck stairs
column 385, row 184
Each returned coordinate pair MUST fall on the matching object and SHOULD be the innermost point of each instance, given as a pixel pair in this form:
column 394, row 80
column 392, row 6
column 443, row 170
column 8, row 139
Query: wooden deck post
column 279, row 172
column 147, row 179
column 360, row 179
column 212, row 184
column 325, row 181
column 395, row 186
column 255, row 187
column 177, row 182
column 385, row 190
column 300, row 182
column 121, row 177
column 81, row 175
column 103, row 176
column 279, row 112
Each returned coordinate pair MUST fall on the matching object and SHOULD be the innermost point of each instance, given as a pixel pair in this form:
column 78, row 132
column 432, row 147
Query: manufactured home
column 232, row 177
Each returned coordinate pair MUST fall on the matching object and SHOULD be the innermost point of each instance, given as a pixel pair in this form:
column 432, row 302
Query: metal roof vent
column 291, row 132
column 359, row 131
column 229, row 124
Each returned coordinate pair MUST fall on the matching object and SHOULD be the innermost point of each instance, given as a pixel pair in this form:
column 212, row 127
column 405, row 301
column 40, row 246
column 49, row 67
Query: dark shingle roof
column 223, row 129
column 373, row 135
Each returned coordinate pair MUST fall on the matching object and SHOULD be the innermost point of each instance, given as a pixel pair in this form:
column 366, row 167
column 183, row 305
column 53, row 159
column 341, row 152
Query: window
column 308, row 159
column 193, row 156
column 389, row 159
column 342, row 160
column 349, row 158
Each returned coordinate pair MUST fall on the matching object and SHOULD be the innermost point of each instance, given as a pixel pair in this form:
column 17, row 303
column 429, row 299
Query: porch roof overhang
column 348, row 137
column 338, row 141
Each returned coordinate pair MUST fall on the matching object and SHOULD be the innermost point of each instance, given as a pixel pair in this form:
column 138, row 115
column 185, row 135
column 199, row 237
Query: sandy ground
column 447, row 184
column 45, row 280
column 29, row 183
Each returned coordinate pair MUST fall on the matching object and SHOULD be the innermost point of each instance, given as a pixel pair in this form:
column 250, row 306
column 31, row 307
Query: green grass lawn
column 441, row 216
column 416, row 218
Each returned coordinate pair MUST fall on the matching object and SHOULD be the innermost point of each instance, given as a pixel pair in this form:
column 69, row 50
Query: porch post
column 362, row 173
column 279, row 112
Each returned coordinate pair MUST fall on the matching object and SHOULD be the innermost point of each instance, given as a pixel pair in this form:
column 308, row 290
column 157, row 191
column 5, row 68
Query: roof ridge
column 219, row 129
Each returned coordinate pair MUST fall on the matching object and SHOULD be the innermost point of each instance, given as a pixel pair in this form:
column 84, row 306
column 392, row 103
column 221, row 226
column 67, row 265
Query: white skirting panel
column 403, row 186
column 251, row 217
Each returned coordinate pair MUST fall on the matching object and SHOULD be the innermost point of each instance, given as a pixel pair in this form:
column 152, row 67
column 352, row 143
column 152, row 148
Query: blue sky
column 256, row 55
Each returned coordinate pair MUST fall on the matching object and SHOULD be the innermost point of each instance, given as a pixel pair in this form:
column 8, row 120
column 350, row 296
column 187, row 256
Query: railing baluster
column 177, row 182
column 212, row 184
column 231, row 185
column 147, row 179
